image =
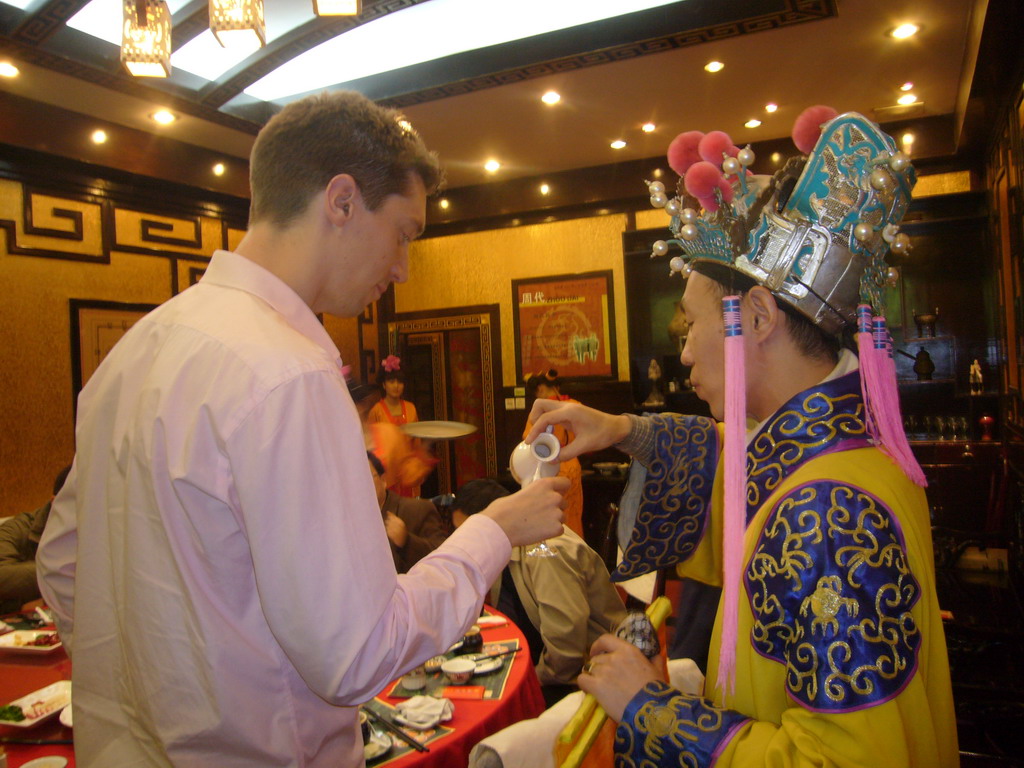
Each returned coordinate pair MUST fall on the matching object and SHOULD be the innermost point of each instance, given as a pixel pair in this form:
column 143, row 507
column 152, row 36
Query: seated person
column 562, row 603
column 19, row 538
column 413, row 526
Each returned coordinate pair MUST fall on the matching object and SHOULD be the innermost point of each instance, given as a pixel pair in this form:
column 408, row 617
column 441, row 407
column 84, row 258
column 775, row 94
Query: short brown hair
column 311, row 141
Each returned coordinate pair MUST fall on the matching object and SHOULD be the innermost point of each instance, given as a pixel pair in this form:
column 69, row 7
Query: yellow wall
column 478, row 268
column 36, row 429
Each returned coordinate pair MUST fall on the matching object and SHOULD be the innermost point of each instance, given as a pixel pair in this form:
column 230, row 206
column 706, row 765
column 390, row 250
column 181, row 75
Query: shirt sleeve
column 326, row 580
column 56, row 559
column 560, row 594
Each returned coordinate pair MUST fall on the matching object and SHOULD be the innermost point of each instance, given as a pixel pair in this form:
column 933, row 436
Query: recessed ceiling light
column 776, row 158
column 443, row 202
column 752, row 123
column 8, row 70
column 218, row 169
column 714, row 66
column 164, row 117
column 907, row 139
column 903, row 31
column 99, row 136
column 648, row 127
column 656, row 173
column 544, row 189
column 906, row 98
column 770, row 107
column 906, row 86
column 491, row 166
column 551, row 97
column 617, row 144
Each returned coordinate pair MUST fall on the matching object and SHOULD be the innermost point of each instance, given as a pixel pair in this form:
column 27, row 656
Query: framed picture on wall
column 96, row 326
column 565, row 322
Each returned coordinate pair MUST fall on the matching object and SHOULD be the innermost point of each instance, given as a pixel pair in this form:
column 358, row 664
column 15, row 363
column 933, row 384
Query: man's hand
column 397, row 530
column 615, row 674
column 594, row 429
column 533, row 514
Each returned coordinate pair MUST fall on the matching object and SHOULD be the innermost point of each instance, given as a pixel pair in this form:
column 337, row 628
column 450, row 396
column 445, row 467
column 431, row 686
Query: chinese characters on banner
column 564, row 323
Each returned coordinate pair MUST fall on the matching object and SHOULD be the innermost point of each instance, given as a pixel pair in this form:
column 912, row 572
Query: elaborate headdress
column 816, row 235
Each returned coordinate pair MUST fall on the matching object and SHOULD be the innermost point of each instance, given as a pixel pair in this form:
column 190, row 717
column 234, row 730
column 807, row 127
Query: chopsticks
column 395, row 730
column 489, row 656
column 12, row 740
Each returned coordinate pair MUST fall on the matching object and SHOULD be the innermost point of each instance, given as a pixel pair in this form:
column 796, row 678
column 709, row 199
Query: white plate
column 55, row 697
column 378, row 745
column 489, row 665
column 65, row 717
column 13, row 641
column 50, row 761
column 438, row 430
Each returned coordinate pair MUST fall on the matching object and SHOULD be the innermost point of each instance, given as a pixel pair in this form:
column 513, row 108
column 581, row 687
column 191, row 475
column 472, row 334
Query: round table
column 474, row 720
column 21, row 674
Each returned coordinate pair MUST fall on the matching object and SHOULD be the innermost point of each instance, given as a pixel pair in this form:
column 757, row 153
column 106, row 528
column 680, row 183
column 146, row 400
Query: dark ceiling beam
column 288, row 46
column 48, row 19
column 189, row 22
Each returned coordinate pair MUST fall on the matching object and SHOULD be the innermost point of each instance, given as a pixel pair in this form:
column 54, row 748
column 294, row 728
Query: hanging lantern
column 238, row 23
column 337, row 7
column 146, row 38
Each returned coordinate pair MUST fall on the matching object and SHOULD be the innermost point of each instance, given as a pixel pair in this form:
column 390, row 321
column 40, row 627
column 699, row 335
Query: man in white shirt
column 217, row 560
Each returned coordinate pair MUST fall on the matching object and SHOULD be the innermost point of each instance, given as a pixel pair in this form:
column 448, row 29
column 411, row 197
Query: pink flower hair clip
column 391, row 363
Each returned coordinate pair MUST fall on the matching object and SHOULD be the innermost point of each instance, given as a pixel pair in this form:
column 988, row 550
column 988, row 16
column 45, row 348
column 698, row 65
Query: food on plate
column 12, row 713
column 41, row 640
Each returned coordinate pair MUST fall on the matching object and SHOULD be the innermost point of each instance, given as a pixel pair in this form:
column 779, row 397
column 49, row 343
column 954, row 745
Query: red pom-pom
column 714, row 145
column 682, row 152
column 701, row 181
column 807, row 128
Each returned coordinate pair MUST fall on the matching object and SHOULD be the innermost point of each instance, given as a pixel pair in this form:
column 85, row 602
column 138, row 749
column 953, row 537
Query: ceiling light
column 656, row 173
column 617, row 144
column 907, row 140
column 907, row 98
column 903, row 31
column 443, row 202
column 752, row 123
column 714, row 66
column 164, row 117
column 218, row 169
column 491, row 166
column 906, row 86
column 770, row 107
column 337, row 7
column 776, row 158
column 456, row 26
column 544, row 189
column 99, row 136
column 7, row 69
column 648, row 127
column 551, row 97
column 146, row 39
column 238, row 23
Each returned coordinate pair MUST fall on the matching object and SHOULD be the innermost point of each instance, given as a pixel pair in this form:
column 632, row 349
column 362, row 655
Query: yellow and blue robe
column 841, row 657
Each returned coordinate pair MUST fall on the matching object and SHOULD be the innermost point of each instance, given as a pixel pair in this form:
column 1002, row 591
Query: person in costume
column 828, row 647
column 547, row 386
column 407, row 461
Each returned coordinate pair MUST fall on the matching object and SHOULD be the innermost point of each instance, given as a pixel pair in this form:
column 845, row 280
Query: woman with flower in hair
column 406, row 460
column 546, row 386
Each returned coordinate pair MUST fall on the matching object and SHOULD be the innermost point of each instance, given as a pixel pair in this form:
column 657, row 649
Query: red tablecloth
column 474, row 720
column 20, row 674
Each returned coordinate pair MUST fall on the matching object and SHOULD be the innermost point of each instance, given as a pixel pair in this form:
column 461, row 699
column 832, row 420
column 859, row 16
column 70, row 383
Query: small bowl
column 459, row 671
column 433, row 666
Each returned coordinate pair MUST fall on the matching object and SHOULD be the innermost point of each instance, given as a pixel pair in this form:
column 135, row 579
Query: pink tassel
column 881, row 397
column 894, row 438
column 735, row 490
column 872, row 371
